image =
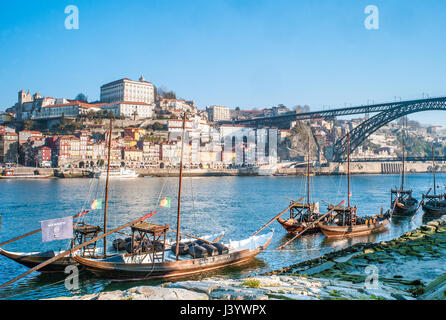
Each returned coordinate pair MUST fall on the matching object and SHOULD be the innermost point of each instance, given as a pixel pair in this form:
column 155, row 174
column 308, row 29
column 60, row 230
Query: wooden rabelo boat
column 82, row 232
column 159, row 263
column 150, row 258
column 402, row 202
column 346, row 223
column 434, row 205
column 302, row 215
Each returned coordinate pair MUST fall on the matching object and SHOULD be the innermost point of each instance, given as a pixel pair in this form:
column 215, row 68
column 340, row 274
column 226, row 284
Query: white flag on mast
column 57, row 229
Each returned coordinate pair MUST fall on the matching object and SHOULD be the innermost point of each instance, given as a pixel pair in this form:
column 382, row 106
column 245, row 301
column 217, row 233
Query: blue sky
column 237, row 53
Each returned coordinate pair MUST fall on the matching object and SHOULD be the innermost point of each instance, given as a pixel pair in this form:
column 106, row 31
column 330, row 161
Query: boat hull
column 127, row 176
column 352, row 231
column 34, row 259
column 30, row 177
column 169, row 269
column 295, row 227
column 407, row 209
column 434, row 210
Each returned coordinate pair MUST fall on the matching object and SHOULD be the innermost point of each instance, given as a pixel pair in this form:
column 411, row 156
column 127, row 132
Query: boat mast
column 404, row 169
column 308, row 173
column 106, row 185
column 404, row 155
column 348, row 169
column 433, row 169
column 177, row 251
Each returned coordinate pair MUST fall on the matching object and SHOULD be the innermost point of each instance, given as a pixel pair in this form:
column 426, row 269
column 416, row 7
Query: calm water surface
column 236, row 205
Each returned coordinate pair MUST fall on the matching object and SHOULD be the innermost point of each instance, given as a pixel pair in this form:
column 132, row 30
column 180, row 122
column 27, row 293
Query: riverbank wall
column 367, row 168
column 330, row 169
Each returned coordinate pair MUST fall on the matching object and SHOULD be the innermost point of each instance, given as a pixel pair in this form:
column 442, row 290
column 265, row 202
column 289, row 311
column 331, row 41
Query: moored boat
column 303, row 215
column 346, row 223
column 117, row 172
column 151, row 259
column 402, row 202
column 82, row 232
column 32, row 259
column 145, row 266
column 11, row 174
column 434, row 205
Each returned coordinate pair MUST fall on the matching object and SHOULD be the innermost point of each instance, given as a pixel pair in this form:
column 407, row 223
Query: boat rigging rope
column 92, row 180
column 258, row 217
column 193, row 203
column 82, row 218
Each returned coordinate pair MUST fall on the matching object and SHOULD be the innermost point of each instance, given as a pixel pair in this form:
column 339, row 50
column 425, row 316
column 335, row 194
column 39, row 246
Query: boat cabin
column 304, row 212
column 438, row 197
column 343, row 215
column 149, row 239
column 82, row 233
column 399, row 194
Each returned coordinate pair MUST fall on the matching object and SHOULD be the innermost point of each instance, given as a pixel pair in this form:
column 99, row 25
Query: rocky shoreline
column 407, row 268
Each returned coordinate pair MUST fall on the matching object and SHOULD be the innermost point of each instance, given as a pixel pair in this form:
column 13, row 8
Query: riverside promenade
column 329, row 169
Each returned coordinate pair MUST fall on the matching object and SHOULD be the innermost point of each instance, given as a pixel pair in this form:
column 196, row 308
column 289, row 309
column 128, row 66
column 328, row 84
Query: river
column 236, row 205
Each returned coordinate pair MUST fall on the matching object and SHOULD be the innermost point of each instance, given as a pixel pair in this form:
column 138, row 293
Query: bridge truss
column 359, row 134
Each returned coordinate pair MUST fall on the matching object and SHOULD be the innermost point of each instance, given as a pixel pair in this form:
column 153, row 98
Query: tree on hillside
column 162, row 91
column 28, row 124
column 157, row 126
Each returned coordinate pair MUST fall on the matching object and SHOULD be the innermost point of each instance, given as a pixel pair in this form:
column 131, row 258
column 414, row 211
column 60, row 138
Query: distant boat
column 346, row 223
column 436, row 203
column 267, row 169
column 401, row 200
column 10, row 174
column 116, row 172
column 303, row 215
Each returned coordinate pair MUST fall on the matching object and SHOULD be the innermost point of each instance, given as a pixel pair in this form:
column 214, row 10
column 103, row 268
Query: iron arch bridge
column 359, row 134
column 329, row 114
column 384, row 113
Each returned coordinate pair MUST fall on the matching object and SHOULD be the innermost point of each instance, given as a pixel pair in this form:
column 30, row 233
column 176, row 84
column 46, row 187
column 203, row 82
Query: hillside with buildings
column 43, row 131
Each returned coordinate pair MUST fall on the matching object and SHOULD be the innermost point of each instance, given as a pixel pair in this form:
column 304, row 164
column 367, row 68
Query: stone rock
column 436, row 290
column 238, row 294
column 292, row 296
column 205, row 286
column 433, row 223
column 152, row 293
column 320, row 268
column 112, row 295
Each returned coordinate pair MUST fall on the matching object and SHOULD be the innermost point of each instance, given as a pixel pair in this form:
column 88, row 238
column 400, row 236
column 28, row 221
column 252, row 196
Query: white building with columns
column 128, row 90
column 129, row 109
